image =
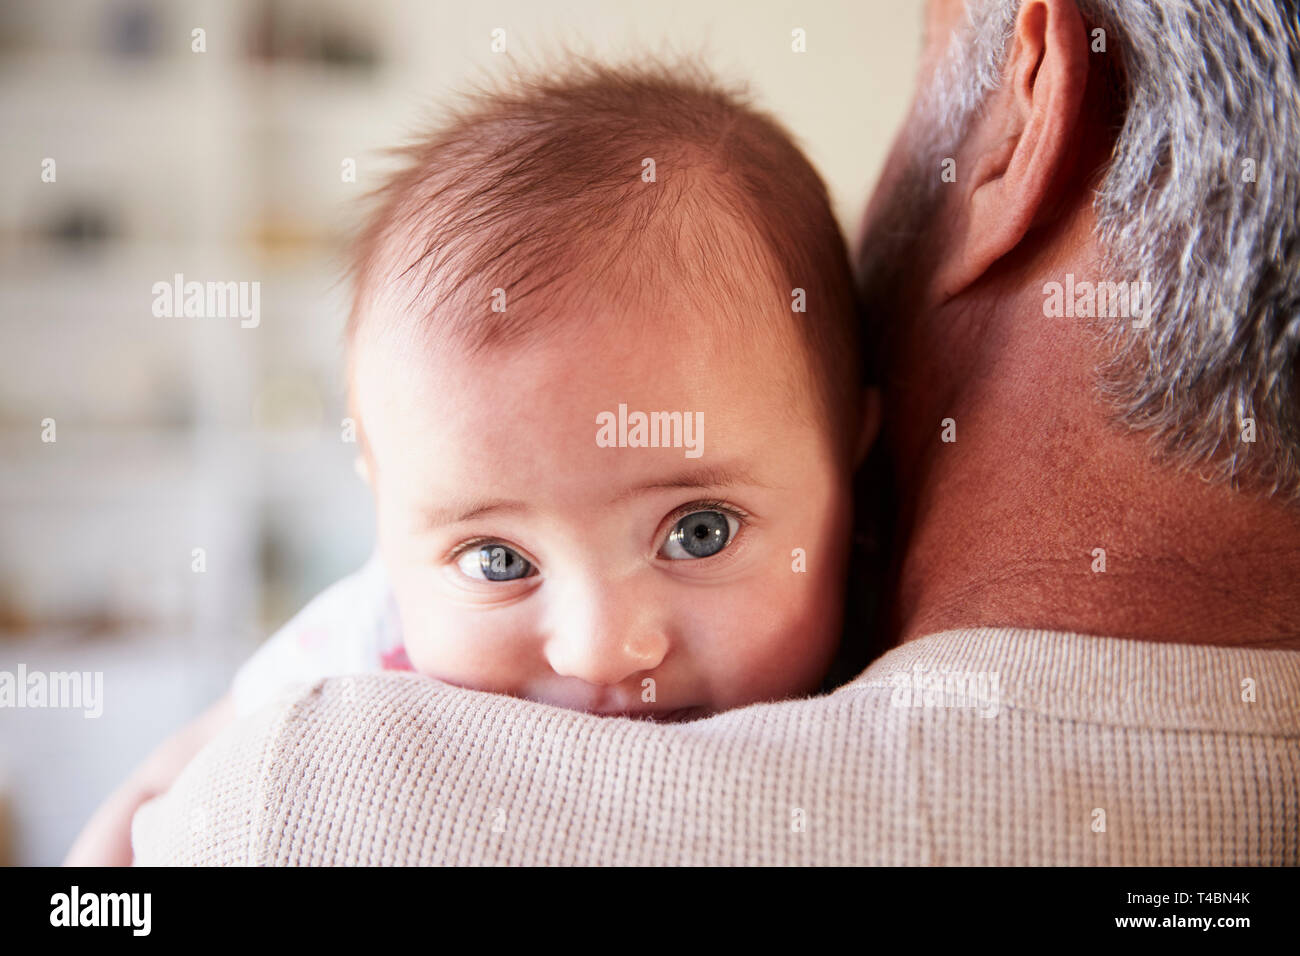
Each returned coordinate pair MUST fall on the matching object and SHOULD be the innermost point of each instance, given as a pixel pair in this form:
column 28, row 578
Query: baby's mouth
column 680, row 715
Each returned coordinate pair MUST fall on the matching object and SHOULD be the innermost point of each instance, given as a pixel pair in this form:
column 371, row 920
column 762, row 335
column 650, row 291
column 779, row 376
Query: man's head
column 1149, row 141
column 557, row 260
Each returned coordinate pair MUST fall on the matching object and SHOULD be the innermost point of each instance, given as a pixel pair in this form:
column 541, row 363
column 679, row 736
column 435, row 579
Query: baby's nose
column 607, row 645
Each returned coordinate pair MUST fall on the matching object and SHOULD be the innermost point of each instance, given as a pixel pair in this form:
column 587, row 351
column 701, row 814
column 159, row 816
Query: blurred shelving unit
column 171, row 433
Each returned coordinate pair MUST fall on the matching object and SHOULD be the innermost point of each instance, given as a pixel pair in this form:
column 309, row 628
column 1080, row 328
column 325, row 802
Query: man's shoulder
column 1091, row 679
column 978, row 747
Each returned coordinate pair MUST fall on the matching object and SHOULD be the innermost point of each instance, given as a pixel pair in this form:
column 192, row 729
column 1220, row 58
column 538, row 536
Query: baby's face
column 529, row 559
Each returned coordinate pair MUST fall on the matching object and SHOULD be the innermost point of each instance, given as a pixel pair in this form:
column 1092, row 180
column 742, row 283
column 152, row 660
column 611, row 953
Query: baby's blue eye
column 493, row 562
column 700, row 534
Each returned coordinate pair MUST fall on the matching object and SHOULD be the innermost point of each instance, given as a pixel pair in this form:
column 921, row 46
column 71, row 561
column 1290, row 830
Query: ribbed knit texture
column 1154, row 740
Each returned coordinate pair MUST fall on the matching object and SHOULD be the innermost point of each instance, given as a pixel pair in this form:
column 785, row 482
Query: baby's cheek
column 462, row 646
column 778, row 640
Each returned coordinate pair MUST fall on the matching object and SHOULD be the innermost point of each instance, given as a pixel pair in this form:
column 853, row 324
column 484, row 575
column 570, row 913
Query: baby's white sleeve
column 346, row 629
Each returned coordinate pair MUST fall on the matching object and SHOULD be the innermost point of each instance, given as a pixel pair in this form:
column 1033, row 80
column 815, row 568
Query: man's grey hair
column 1202, row 200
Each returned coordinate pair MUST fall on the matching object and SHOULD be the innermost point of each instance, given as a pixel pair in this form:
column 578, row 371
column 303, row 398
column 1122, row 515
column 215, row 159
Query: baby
column 603, row 360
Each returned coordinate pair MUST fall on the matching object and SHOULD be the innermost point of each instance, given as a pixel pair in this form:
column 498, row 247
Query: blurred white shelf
column 59, row 764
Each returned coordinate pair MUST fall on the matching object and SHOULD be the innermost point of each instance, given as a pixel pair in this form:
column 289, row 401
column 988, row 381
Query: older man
column 1096, row 599
column 1112, row 475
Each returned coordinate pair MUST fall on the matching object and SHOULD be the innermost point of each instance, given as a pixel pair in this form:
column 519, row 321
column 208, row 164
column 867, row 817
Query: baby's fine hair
column 632, row 179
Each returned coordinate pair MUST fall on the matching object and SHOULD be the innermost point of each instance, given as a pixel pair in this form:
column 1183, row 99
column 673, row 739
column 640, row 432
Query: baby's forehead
column 671, row 354
column 565, row 425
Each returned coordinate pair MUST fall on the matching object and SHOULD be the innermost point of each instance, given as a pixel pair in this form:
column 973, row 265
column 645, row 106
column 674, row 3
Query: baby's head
column 604, row 356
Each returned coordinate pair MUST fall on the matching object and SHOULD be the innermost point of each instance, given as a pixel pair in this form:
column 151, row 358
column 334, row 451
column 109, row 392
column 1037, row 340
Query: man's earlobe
column 1021, row 146
column 868, row 426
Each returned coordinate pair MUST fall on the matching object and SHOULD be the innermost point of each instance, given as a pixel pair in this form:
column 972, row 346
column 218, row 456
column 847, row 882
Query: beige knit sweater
column 1036, row 748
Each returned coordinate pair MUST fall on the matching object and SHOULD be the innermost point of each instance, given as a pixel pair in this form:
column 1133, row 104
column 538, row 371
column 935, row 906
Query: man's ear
column 869, row 426
column 1022, row 143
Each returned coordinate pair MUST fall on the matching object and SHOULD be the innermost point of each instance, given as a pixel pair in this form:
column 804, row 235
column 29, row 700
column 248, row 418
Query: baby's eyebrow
column 711, row 476
column 437, row 517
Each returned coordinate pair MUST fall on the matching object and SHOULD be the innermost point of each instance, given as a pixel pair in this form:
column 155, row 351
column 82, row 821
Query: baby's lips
column 677, row 715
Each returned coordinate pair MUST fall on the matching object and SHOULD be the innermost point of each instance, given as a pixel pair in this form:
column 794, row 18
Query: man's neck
column 1044, row 514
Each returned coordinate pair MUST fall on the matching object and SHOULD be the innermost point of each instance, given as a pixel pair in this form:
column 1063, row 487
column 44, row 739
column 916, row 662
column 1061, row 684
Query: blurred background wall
column 176, row 434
